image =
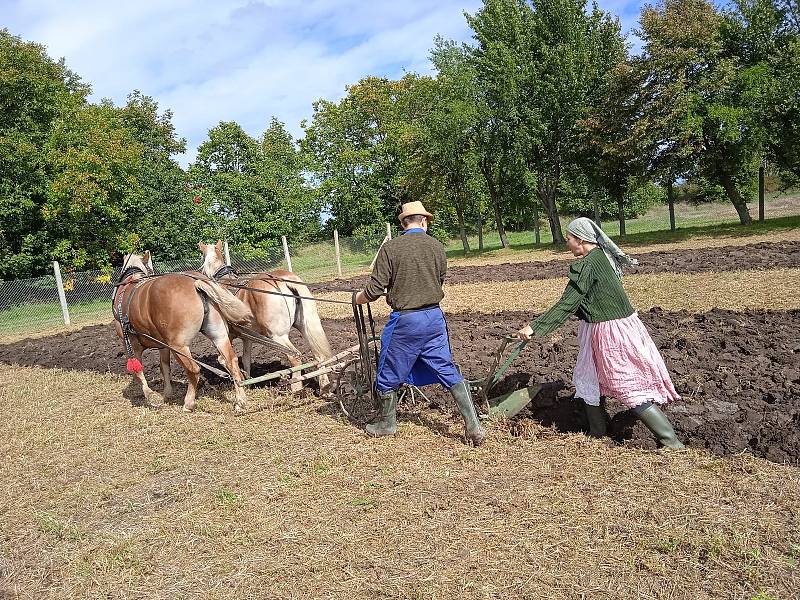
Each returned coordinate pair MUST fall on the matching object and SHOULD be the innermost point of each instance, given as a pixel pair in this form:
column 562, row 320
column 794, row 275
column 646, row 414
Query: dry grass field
column 105, row 498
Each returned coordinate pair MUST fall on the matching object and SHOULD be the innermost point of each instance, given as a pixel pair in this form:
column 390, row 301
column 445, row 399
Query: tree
column 162, row 217
column 500, row 61
column 541, row 65
column 356, row 152
column 253, row 191
column 704, row 103
column 35, row 91
column 443, row 154
column 765, row 34
column 616, row 143
column 92, row 162
column 281, row 172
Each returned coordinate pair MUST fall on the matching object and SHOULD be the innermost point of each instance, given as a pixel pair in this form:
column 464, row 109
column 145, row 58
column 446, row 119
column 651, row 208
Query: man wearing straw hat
column 415, row 347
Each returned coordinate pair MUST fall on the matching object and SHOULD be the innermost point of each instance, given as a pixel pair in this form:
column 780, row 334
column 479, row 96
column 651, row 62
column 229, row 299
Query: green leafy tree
column 573, row 51
column 356, row 152
column 617, row 141
column 444, row 156
column 162, row 216
column 253, row 191
column 765, row 36
column 282, row 177
column 93, row 161
column 540, row 64
column 501, row 62
column 35, row 91
column 225, row 169
column 714, row 120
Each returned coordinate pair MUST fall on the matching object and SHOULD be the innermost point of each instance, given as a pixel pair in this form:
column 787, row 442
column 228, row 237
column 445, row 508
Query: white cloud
column 240, row 60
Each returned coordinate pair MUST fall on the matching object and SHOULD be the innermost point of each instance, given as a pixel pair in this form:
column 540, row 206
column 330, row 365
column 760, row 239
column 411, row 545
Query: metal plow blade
column 511, row 403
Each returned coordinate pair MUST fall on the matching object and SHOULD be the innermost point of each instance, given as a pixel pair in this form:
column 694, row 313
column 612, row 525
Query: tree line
column 550, row 110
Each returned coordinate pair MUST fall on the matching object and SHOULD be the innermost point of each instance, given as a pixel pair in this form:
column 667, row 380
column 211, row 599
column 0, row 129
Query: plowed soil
column 733, row 258
column 738, row 373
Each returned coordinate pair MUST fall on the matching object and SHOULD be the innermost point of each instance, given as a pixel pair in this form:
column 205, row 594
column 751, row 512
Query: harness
column 267, row 277
column 123, row 316
column 225, row 270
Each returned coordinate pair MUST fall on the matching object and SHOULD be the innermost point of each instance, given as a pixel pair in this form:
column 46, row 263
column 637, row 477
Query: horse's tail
column 307, row 319
column 230, row 307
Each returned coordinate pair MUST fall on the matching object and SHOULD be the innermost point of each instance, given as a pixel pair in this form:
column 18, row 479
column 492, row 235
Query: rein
column 266, row 277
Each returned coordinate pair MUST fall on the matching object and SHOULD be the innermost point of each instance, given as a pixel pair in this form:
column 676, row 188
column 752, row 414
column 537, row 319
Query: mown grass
column 108, row 499
column 30, row 317
column 651, row 228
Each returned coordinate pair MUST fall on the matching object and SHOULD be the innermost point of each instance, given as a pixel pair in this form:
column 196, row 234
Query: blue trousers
column 415, row 349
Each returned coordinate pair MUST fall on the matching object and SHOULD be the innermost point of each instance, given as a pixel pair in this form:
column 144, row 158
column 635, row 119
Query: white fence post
column 61, row 297
column 286, row 253
column 338, row 252
column 388, row 231
column 227, row 253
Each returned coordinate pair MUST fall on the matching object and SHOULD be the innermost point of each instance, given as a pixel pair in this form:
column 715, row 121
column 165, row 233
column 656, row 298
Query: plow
column 354, row 369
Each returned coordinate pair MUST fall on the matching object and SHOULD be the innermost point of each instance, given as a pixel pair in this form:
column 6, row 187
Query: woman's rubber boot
column 387, row 415
column 596, row 416
column 472, row 426
column 657, row 422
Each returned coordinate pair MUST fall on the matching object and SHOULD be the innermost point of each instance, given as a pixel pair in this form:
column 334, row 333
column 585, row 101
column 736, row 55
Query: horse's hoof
column 153, row 399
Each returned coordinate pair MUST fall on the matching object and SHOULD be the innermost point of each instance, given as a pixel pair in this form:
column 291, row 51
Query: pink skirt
column 619, row 359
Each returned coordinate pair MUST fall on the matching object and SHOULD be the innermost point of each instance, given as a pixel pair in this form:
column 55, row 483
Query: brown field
column 104, row 498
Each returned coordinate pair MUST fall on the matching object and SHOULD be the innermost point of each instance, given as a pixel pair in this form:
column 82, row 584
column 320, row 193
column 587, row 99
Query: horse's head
column 137, row 262
column 212, row 258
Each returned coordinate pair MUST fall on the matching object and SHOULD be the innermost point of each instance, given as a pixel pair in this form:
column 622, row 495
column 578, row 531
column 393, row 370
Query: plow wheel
column 353, row 393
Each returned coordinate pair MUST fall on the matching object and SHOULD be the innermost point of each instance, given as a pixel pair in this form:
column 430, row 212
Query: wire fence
column 30, row 305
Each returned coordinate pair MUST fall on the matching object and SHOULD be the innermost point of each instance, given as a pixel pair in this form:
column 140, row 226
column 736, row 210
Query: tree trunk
column 461, row 228
column 536, row 223
column 671, row 203
column 498, row 215
column 736, row 198
column 498, row 211
column 547, row 195
column 480, row 229
column 761, row 192
column 621, row 211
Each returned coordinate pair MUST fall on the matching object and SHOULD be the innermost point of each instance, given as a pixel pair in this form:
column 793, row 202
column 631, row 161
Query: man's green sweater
column 412, row 268
column 594, row 294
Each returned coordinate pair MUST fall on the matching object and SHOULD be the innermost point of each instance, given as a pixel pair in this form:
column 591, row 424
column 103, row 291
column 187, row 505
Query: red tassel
column 134, row 366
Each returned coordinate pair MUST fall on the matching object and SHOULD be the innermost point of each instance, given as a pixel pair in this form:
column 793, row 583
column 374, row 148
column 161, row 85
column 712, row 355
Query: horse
column 167, row 312
column 283, row 302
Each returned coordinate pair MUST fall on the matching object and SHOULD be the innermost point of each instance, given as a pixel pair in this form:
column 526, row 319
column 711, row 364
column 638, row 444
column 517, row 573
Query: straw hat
column 414, row 208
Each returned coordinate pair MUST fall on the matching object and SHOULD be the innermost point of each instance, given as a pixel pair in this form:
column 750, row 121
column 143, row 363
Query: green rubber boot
column 597, row 420
column 657, row 422
column 472, row 426
column 387, row 416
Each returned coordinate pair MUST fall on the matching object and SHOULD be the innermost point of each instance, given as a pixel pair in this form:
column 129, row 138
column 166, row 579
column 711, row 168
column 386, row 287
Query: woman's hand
column 525, row 333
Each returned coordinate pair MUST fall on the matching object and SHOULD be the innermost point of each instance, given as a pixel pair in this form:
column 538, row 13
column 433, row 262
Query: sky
column 243, row 60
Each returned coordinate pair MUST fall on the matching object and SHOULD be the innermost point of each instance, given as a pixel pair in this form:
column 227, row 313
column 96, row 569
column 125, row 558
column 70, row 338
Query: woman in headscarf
column 617, row 356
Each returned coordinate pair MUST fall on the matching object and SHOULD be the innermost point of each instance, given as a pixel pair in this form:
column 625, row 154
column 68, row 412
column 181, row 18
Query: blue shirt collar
column 414, row 230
